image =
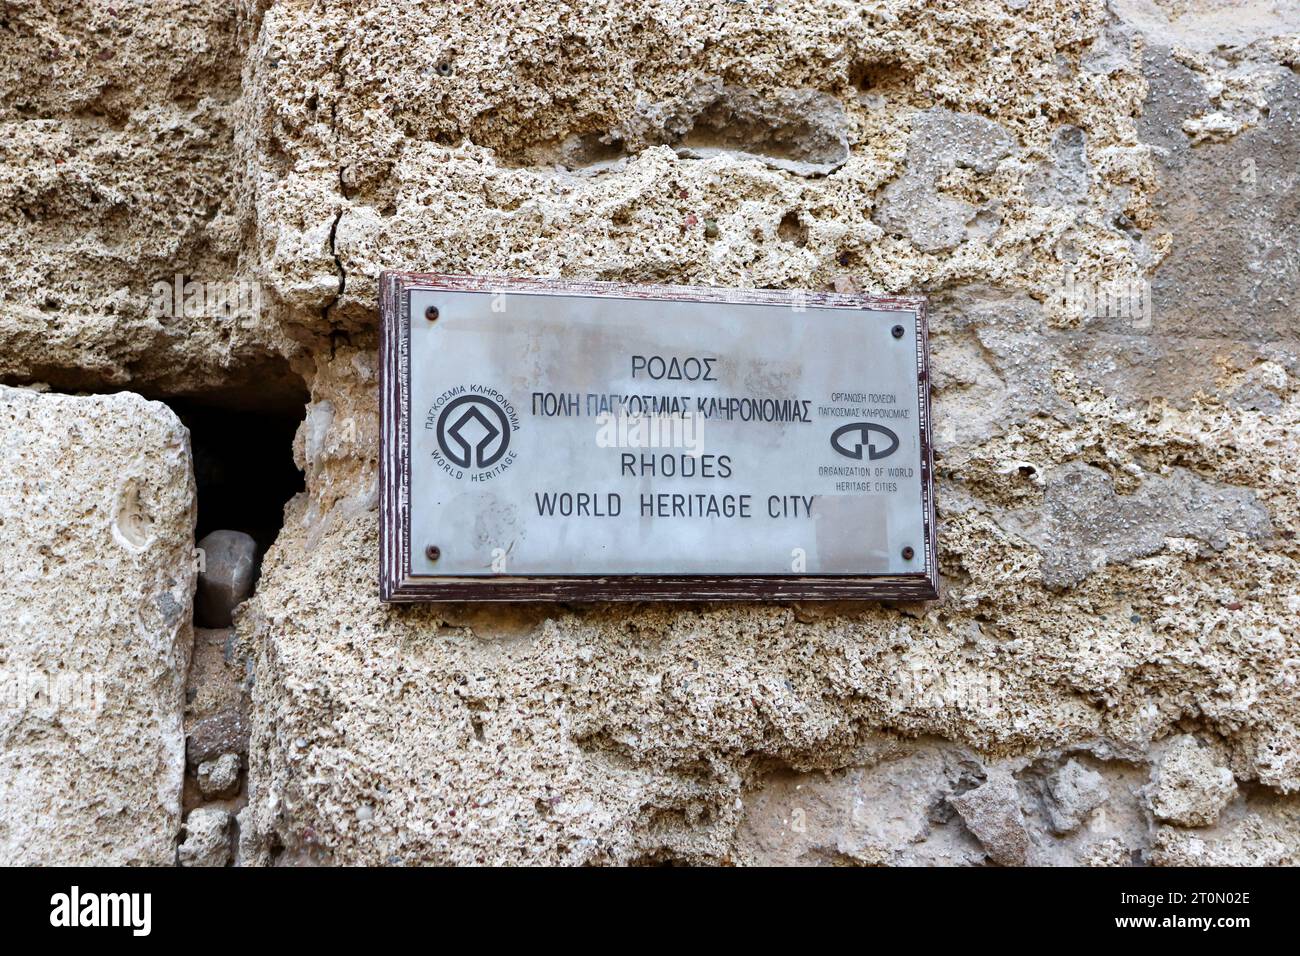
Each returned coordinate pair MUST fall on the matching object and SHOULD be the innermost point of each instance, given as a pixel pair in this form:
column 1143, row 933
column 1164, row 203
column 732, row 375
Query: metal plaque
column 581, row 440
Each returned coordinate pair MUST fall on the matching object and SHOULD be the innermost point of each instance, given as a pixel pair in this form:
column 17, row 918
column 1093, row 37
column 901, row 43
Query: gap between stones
column 241, row 447
column 244, row 474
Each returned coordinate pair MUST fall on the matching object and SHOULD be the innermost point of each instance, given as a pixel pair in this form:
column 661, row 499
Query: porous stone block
column 96, row 547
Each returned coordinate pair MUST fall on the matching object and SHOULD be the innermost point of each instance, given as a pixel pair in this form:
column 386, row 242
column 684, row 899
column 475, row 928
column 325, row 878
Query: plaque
column 593, row 441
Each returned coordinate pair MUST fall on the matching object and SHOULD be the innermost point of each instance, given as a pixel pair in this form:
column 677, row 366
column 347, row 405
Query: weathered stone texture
column 207, row 838
column 119, row 171
column 96, row 583
column 1116, row 487
column 1100, row 200
column 219, row 778
column 216, row 720
column 992, row 813
column 1070, row 794
column 1190, row 787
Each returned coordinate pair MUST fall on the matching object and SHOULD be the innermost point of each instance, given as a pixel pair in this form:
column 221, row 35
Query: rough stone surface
column 1117, row 500
column 96, row 579
column 992, row 812
column 1082, row 523
column 890, row 811
column 1071, row 793
column 119, row 171
column 1098, row 197
column 225, row 577
column 1261, row 833
column 223, row 732
column 207, row 838
column 1190, row 787
column 943, row 145
column 219, row 777
column 217, row 672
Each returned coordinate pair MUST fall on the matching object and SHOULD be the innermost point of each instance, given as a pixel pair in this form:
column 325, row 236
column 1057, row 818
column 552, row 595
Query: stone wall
column 1101, row 200
column 96, row 553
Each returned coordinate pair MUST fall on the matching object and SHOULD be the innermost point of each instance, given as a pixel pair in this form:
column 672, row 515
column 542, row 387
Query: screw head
column 908, row 553
column 897, row 331
column 431, row 313
column 433, row 552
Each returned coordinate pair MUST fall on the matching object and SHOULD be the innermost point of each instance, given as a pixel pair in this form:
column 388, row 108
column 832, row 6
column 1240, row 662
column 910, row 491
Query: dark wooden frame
column 397, row 584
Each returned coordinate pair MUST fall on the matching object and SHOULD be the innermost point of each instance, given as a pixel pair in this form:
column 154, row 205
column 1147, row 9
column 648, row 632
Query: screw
column 431, row 313
column 433, row 552
column 897, row 331
column 908, row 553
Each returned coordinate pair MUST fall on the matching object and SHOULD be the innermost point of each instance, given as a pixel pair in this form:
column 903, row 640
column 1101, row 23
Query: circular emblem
column 473, row 432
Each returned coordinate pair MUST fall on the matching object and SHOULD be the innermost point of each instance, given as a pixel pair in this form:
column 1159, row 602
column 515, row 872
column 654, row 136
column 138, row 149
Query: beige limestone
column 1117, row 488
column 96, row 584
column 119, row 172
column 207, row 838
column 1117, row 498
column 1190, row 787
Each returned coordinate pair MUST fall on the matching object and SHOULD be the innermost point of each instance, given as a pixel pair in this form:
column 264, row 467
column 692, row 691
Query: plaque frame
column 398, row 585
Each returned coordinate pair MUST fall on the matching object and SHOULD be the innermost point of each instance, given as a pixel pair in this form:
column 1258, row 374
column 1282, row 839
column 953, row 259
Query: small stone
column 215, row 674
column 245, row 837
column 220, row 777
column 224, row 732
column 992, row 812
column 710, row 229
column 226, row 581
column 1073, row 792
column 1190, row 787
column 207, row 838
